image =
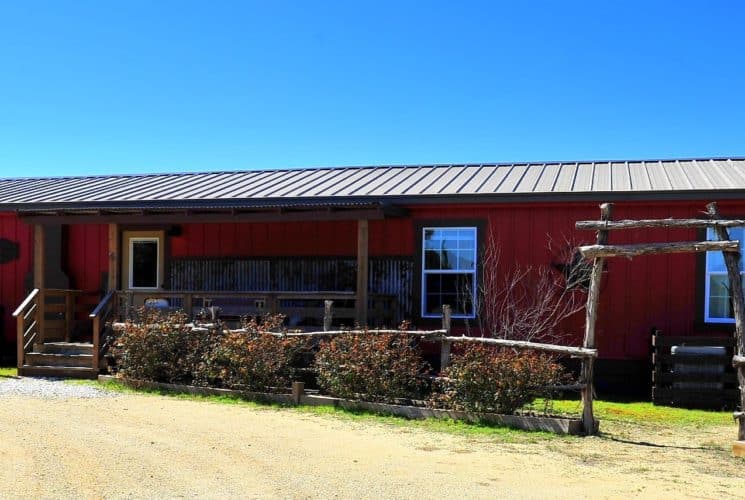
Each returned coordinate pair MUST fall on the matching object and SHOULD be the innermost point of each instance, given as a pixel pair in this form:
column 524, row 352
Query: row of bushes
column 374, row 367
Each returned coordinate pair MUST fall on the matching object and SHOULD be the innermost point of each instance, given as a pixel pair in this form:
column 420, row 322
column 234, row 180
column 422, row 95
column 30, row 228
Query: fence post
column 298, row 389
column 445, row 344
column 69, row 314
column 328, row 314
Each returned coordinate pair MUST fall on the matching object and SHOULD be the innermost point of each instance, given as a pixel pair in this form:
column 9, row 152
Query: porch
column 143, row 260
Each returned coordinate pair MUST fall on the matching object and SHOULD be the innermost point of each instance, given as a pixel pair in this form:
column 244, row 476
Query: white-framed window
column 717, row 302
column 449, row 271
column 144, row 262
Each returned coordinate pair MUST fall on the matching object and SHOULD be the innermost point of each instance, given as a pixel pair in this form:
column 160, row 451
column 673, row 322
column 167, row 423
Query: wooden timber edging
column 556, row 425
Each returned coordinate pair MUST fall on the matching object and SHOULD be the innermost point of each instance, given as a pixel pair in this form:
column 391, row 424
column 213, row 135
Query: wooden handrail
column 25, row 335
column 62, row 291
column 30, row 297
column 102, row 304
column 99, row 315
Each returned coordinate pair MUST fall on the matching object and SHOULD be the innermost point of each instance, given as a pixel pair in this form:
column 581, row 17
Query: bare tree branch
column 529, row 302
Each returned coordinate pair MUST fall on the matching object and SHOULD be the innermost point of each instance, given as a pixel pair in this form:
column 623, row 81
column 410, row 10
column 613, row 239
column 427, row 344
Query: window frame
column 424, row 271
column 708, row 319
column 129, row 238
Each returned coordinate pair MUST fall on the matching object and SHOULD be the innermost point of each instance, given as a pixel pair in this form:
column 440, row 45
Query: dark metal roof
column 650, row 179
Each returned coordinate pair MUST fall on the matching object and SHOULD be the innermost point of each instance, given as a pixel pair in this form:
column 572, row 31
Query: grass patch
column 634, row 413
column 8, row 371
column 644, row 412
column 448, row 426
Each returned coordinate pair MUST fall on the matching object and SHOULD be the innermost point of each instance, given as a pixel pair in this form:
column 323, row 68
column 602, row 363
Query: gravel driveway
column 61, row 440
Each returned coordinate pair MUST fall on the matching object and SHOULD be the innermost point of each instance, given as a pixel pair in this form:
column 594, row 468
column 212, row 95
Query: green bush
column 158, row 347
column 374, row 367
column 484, row 378
column 163, row 349
column 252, row 361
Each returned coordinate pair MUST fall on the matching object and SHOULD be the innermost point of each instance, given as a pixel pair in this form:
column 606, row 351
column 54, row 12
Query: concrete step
column 64, row 348
column 57, row 371
column 71, row 360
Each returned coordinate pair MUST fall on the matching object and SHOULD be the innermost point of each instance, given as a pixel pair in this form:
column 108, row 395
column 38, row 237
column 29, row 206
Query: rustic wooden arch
column 601, row 250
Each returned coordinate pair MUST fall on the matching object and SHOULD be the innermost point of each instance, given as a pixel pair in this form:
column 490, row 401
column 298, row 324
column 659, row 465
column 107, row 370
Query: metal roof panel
column 381, row 182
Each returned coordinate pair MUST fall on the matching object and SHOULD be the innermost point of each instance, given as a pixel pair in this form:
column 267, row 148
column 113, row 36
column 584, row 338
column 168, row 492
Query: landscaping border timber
column 556, row 425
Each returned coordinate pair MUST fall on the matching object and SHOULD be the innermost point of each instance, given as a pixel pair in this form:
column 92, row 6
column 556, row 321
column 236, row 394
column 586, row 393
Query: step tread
column 60, row 354
column 63, row 348
column 71, row 344
column 57, row 371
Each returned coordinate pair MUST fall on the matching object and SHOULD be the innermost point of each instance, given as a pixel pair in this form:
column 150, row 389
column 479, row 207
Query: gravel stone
column 49, row 388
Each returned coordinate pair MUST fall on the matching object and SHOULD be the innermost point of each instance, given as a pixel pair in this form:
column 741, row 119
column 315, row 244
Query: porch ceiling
column 179, row 215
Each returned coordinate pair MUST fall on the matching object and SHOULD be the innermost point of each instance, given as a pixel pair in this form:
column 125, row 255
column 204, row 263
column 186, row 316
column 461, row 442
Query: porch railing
column 237, row 304
column 27, row 325
column 100, row 317
column 48, row 314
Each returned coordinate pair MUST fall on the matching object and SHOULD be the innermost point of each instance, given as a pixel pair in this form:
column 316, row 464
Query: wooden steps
column 58, row 372
column 60, row 359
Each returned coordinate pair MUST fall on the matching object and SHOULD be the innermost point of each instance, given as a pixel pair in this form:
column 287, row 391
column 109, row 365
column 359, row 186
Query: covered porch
column 148, row 258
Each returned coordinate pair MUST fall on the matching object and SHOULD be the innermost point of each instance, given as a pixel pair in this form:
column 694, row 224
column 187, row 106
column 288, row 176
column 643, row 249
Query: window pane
column 144, row 264
column 719, row 299
column 456, row 290
column 431, row 259
column 465, row 260
column 715, row 260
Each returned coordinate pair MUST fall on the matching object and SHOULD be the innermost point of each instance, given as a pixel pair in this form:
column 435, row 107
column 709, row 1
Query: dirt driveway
column 133, row 446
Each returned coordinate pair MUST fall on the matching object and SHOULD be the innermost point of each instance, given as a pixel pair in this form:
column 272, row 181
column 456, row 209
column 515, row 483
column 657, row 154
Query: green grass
column 646, row 413
column 635, row 413
column 449, row 426
column 438, row 425
column 8, row 371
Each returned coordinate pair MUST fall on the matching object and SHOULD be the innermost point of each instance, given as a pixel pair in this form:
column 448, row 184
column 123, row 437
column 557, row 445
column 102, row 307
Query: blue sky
column 145, row 86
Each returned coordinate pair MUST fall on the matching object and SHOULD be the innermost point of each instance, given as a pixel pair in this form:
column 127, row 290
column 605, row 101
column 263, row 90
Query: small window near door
column 143, row 263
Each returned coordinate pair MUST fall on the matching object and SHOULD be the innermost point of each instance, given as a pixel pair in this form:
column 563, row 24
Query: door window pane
column 144, row 262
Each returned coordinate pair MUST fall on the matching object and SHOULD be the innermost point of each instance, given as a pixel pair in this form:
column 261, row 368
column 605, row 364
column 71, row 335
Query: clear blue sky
column 144, row 86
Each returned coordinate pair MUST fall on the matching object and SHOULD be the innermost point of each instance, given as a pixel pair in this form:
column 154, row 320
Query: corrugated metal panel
column 620, row 178
column 305, row 185
column 388, row 276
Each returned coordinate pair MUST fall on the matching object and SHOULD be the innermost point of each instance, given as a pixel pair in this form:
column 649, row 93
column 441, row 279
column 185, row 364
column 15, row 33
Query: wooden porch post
column 113, row 280
column 39, row 278
column 362, row 271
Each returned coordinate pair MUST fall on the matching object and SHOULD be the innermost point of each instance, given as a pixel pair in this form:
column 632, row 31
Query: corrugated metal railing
column 388, row 276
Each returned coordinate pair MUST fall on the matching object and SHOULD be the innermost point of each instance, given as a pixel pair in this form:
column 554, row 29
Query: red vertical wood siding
column 13, row 274
column 656, row 291
column 637, row 295
column 87, row 255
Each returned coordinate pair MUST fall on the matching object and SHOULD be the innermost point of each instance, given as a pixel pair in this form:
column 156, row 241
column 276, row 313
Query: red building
column 286, row 239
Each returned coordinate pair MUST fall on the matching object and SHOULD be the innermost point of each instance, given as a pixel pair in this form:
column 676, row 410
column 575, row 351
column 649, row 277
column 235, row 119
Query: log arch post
column 732, row 261
column 589, row 424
